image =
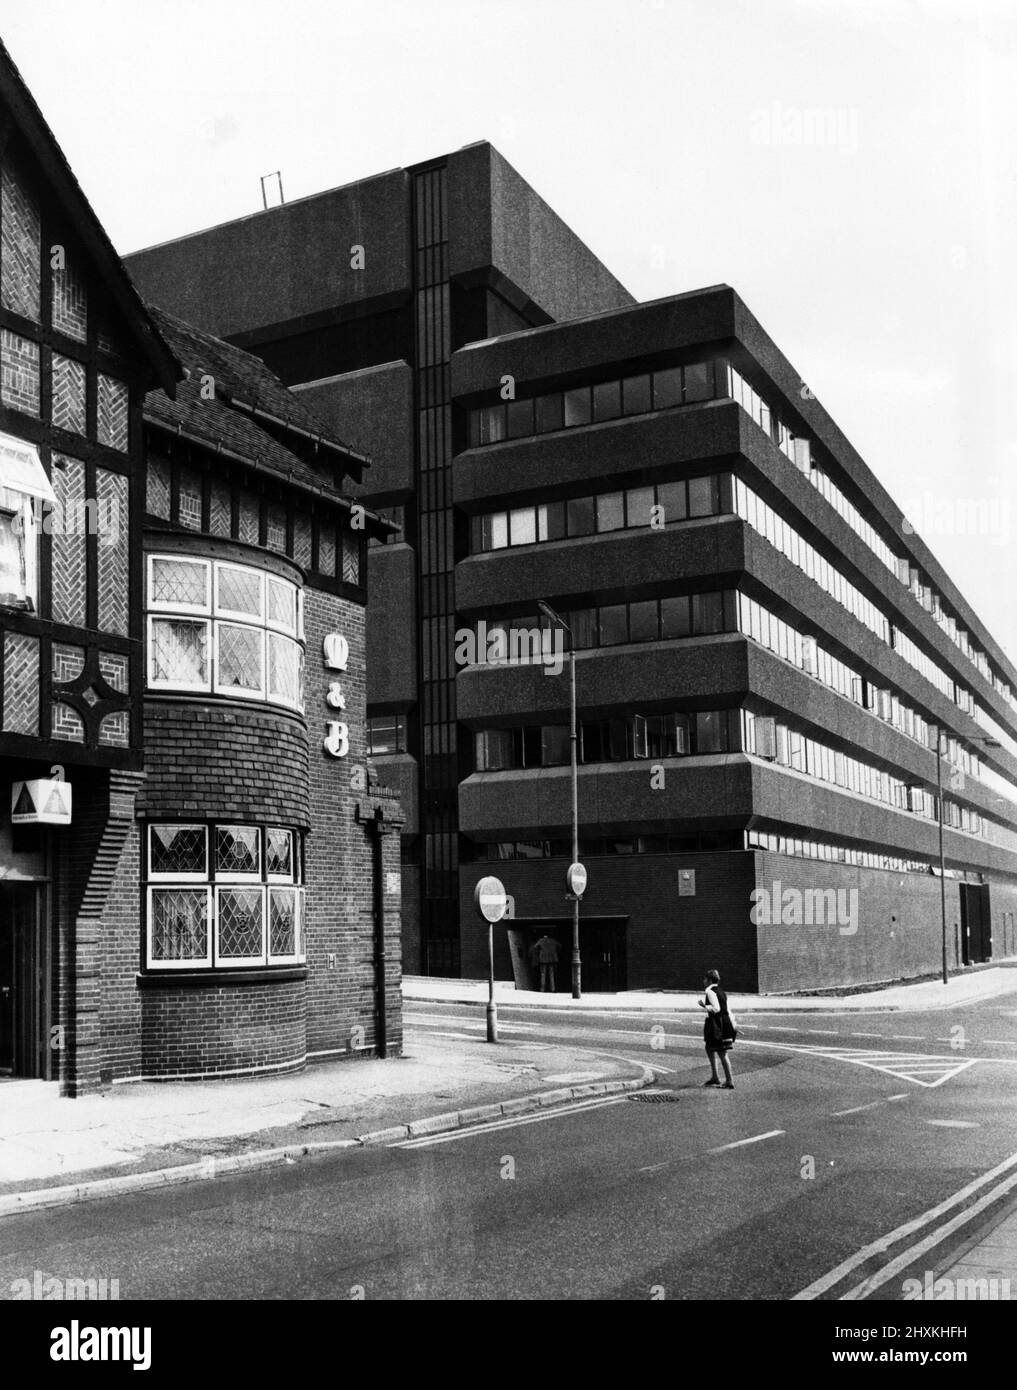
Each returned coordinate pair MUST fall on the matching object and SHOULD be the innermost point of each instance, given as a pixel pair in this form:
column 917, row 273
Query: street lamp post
column 549, row 612
column 986, row 742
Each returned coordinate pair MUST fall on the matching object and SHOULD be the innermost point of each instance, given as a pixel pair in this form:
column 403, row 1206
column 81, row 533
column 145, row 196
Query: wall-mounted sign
column 686, row 883
column 41, row 802
column 337, row 651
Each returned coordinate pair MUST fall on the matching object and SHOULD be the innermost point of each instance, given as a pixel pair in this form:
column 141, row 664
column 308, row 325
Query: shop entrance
column 24, row 997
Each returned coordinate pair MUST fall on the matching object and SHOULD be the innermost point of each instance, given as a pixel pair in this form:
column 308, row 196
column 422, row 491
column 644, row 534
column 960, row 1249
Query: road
column 841, row 1128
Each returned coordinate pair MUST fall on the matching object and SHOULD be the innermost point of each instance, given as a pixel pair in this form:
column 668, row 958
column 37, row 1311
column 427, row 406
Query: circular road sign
column 576, row 879
column 490, row 899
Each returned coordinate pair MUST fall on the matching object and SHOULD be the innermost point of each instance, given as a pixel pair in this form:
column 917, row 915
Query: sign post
column 491, row 902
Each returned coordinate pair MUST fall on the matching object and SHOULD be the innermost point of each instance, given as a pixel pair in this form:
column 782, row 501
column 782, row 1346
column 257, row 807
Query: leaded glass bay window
column 224, row 629
column 223, row 896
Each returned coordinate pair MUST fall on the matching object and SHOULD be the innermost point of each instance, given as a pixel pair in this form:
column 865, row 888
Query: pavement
column 968, row 988
column 54, row 1151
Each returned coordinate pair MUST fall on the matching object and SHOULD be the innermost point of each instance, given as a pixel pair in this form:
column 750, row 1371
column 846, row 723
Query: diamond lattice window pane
column 240, row 658
column 284, row 681
column 237, row 850
column 177, row 849
column 279, row 852
column 180, row 581
column 241, row 924
column 282, row 604
column 240, row 591
column 179, row 653
column 179, row 924
column 282, row 922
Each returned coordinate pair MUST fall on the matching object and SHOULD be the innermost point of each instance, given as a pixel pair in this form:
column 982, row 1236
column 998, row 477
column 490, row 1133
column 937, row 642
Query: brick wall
column 339, row 919
column 670, row 940
column 209, row 1031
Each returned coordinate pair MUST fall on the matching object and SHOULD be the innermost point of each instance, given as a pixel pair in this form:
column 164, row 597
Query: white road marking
column 954, row 1124
column 740, row 1143
column 883, row 1244
column 426, row 1141
column 872, row 1105
column 866, row 1035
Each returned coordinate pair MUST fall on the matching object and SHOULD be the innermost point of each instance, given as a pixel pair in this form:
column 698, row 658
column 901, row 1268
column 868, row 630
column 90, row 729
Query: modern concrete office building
column 767, row 657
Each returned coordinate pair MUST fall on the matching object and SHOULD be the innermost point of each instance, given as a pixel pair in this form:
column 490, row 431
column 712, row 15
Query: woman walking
column 718, row 1030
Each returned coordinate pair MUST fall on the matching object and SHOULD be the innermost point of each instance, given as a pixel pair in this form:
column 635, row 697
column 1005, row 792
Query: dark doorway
column 976, row 923
column 601, row 947
column 24, row 1001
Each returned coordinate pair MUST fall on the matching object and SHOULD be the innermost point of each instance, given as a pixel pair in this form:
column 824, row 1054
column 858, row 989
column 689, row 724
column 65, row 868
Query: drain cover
column 654, row 1096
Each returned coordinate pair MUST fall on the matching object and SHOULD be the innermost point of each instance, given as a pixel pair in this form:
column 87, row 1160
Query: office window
column 556, row 750
column 699, row 382
column 522, row 526
column 704, row 498
column 636, row 395
column 643, row 623
column 577, row 406
column 667, row 388
column 520, row 419
column 19, row 547
column 492, row 424
column 583, row 622
column 551, row 521
column 610, row 511
column 494, row 750
column 639, row 503
column 707, row 613
column 607, row 400
column 550, row 413
column 712, row 731
column 674, row 617
column 672, row 497
column 386, row 733
column 613, row 625
column 580, row 514
column 495, row 531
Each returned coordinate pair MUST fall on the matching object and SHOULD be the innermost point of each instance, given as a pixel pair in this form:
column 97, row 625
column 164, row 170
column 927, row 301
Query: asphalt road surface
column 841, row 1129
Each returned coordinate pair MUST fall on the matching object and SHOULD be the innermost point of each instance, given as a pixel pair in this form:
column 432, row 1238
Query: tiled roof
column 241, row 379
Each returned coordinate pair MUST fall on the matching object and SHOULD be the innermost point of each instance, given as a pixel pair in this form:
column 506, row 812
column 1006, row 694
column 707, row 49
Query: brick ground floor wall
column 673, row 938
column 221, row 1030
column 896, row 933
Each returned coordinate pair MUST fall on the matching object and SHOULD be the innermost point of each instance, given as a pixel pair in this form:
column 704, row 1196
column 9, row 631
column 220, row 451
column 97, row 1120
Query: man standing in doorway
column 546, row 951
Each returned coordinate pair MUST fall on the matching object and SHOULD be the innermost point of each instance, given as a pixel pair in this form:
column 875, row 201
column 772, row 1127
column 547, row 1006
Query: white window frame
column 298, row 703
column 240, row 885
column 238, row 692
column 174, row 606
column 270, row 623
column 192, row 962
column 221, row 611
column 20, row 507
column 281, row 879
column 299, row 956
column 182, row 686
column 175, row 877
column 224, row 875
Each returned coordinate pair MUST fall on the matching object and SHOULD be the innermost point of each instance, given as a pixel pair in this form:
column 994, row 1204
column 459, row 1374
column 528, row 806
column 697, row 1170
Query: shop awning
column 21, row 469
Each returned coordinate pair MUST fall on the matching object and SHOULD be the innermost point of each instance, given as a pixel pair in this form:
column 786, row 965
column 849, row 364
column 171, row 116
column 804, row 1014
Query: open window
column 23, row 483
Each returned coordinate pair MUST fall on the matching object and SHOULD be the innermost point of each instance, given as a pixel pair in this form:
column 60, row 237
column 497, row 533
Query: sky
column 849, row 166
